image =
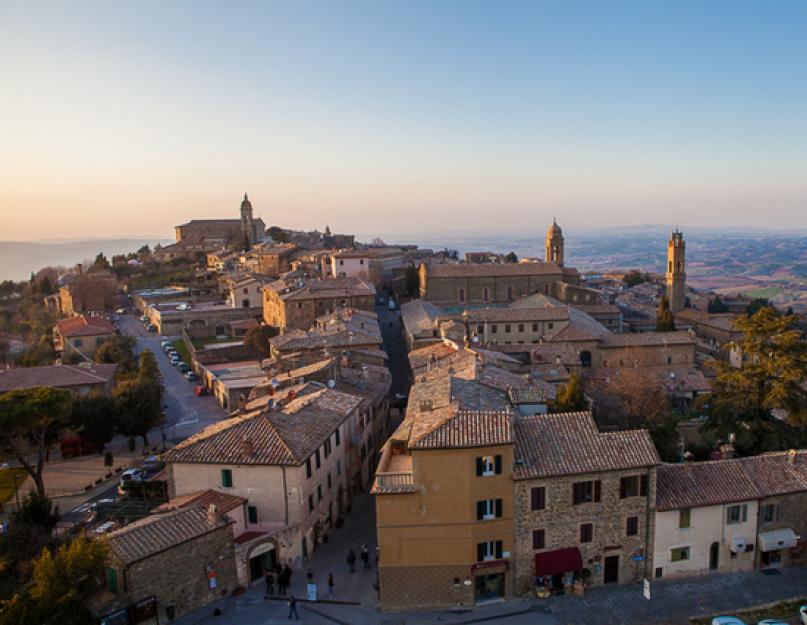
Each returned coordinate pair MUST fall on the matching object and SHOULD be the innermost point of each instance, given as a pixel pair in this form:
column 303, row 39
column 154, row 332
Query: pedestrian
column 293, row 608
column 330, row 585
column 270, row 583
column 286, row 578
column 281, row 581
column 351, row 560
column 365, row 557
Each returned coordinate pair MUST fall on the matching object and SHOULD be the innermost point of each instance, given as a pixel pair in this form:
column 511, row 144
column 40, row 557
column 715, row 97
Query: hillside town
column 250, row 412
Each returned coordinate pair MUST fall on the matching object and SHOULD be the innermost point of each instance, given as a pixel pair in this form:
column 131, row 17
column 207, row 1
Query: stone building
column 171, row 317
column 269, row 258
column 82, row 335
column 676, row 274
column 343, row 329
column 167, row 565
column 296, row 303
column 583, row 502
column 554, row 244
column 241, row 233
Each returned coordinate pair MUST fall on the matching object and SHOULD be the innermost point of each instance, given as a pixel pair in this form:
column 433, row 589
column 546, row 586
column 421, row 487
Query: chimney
column 727, row 451
column 557, row 360
column 213, row 516
column 246, row 448
column 792, row 455
column 365, row 372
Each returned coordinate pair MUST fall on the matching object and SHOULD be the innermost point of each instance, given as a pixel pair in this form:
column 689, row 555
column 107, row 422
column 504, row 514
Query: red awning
column 558, row 561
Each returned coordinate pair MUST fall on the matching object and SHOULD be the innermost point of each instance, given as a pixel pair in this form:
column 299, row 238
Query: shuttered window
column 226, row 478
column 538, row 498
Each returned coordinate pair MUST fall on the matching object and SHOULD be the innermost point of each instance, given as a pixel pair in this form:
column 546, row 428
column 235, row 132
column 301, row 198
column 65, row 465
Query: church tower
column 676, row 278
column 247, row 226
column 554, row 244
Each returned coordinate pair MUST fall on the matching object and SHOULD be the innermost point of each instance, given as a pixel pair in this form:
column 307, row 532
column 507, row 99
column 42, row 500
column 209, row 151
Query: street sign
column 646, row 589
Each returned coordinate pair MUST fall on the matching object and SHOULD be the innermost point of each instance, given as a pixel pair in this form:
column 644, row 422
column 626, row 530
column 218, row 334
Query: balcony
column 394, row 474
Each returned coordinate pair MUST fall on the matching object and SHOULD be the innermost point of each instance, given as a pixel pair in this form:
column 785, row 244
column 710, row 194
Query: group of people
column 283, row 577
column 364, row 554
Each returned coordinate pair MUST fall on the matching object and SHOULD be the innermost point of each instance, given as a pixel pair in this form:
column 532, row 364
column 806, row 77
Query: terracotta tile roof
column 160, row 532
column 284, row 436
column 419, row 315
column 479, row 270
column 717, row 482
column 84, row 326
column 224, row 502
column 60, row 376
column 466, row 428
column 570, row 443
column 673, row 378
column 549, row 353
column 329, row 288
column 295, row 340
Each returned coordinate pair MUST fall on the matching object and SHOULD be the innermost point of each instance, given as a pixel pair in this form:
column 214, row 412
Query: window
column 669, row 360
column 308, row 471
column 317, row 459
column 737, row 514
column 507, row 328
column 226, row 478
column 643, row 484
column 629, row 486
column 535, row 327
column 112, row 580
column 538, row 541
column 480, row 330
column 678, row 554
column 494, row 329
column 509, row 292
column 338, row 467
column 586, row 533
column 327, row 447
column 586, row 492
column 684, row 518
column 330, row 483
column 485, row 294
column 489, row 550
column 319, row 493
column 77, row 342
column 521, row 327
column 462, row 295
column 769, row 513
column 488, row 509
column 488, row 465
column 538, row 498
column 311, row 503
column 550, row 325
column 633, row 526
column 252, row 514
column 336, row 434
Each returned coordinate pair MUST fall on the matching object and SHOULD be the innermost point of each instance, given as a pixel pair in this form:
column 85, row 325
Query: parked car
column 165, row 345
column 120, row 311
column 175, row 360
column 200, row 390
column 151, row 327
column 76, row 446
column 391, row 304
column 128, row 477
column 153, row 464
column 727, row 620
column 183, row 367
column 191, row 376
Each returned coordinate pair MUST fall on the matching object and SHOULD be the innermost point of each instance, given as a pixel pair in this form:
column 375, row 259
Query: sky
column 386, row 118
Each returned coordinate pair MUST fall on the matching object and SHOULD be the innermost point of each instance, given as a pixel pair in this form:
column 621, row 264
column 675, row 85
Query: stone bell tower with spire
column 554, row 244
column 676, row 277
column 247, row 225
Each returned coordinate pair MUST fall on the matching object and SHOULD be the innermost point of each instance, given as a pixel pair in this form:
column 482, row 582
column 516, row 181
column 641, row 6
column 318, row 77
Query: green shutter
column 112, row 580
column 498, row 462
column 226, row 478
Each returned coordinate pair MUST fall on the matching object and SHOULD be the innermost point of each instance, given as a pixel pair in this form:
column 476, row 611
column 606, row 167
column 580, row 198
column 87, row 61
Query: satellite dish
column 331, row 383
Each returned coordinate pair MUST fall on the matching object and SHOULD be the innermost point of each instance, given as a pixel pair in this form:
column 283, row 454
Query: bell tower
column 676, row 277
column 247, row 226
column 554, row 244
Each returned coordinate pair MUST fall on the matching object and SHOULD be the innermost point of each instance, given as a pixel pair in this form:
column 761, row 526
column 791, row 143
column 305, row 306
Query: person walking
column 270, row 583
column 330, row 585
column 351, row 560
column 365, row 557
column 282, row 581
column 293, row 608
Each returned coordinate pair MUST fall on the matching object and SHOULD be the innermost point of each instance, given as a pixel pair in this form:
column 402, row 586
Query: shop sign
column 490, row 564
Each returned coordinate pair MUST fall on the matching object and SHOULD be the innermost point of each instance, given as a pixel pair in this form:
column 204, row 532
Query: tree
column 634, row 277
column 569, row 397
column 755, row 306
column 257, row 339
column 664, row 317
column 717, row 306
column 93, row 417
column 100, row 264
column 148, row 369
column 119, row 350
column 31, row 421
column 411, row 281
column 632, row 397
column 277, row 234
column 773, row 373
column 61, row 586
column 138, row 407
column 511, row 258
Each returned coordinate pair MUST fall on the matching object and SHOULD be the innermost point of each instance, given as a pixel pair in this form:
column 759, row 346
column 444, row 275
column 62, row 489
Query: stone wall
column 178, row 576
column 418, row 587
column 791, row 513
column 445, row 291
column 561, row 522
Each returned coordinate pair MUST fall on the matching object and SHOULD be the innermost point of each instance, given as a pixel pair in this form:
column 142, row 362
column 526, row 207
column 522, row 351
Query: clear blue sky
column 382, row 117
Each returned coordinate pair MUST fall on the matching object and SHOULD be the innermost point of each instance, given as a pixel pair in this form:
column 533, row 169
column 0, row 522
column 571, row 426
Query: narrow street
column 392, row 333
